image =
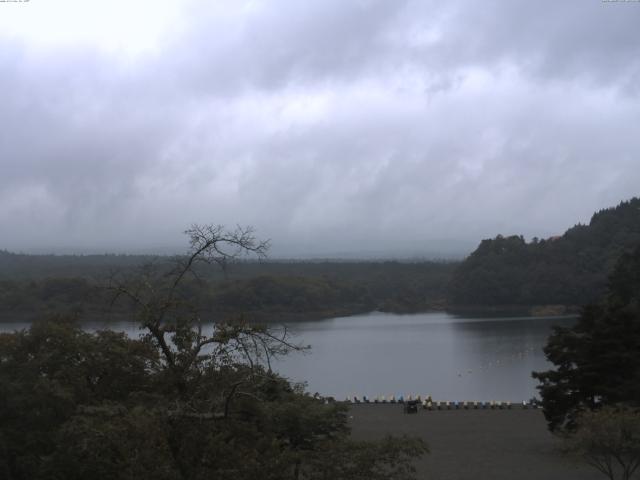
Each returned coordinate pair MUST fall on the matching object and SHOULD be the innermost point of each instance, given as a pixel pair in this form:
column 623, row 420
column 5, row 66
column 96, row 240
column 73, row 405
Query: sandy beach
column 475, row 444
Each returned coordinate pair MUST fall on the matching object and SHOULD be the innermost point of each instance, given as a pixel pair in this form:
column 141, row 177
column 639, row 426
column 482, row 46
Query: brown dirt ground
column 475, row 444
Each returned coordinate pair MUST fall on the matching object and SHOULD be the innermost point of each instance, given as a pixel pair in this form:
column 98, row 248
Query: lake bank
column 514, row 310
column 475, row 444
column 280, row 317
column 480, row 311
column 537, row 311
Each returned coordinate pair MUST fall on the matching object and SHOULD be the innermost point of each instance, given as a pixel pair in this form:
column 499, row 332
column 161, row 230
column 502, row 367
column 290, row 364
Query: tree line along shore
column 504, row 275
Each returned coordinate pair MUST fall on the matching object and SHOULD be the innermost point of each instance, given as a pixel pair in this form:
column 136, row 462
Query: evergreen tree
column 598, row 360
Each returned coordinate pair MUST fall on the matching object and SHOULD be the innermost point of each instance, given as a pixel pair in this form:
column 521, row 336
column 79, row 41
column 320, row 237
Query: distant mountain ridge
column 571, row 269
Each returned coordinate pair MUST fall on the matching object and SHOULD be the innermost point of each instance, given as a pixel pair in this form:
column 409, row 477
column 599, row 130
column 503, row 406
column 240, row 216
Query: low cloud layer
column 335, row 128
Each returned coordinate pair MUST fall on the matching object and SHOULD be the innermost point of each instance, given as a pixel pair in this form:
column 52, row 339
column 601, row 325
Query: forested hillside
column 569, row 270
column 264, row 291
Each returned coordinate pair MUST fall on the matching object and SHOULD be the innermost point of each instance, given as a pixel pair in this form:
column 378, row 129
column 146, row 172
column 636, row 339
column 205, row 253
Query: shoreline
column 257, row 317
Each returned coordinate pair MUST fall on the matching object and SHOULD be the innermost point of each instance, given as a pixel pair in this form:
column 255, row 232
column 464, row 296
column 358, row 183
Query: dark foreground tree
column 188, row 400
column 597, row 361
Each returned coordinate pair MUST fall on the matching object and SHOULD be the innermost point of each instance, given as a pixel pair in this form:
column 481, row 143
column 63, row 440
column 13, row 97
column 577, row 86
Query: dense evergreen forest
column 263, row 291
column 505, row 272
column 571, row 269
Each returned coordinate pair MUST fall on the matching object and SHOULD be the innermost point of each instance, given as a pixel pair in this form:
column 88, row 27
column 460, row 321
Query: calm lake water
column 445, row 356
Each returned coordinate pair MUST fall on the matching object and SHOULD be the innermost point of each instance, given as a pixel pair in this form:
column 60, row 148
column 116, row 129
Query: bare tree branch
column 174, row 324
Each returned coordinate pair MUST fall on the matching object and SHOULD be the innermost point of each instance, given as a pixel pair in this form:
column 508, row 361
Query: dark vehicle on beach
column 411, row 406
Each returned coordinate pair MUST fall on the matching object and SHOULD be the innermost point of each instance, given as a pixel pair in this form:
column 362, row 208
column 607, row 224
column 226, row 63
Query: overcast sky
column 334, row 127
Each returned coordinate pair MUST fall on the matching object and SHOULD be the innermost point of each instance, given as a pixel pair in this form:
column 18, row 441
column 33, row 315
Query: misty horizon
column 443, row 250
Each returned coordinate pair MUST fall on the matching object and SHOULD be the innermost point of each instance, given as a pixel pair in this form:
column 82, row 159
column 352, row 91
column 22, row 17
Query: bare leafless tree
column 173, row 323
column 214, row 244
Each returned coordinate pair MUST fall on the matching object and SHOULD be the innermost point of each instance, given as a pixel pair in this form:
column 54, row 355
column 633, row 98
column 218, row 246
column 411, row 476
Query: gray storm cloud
column 332, row 127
